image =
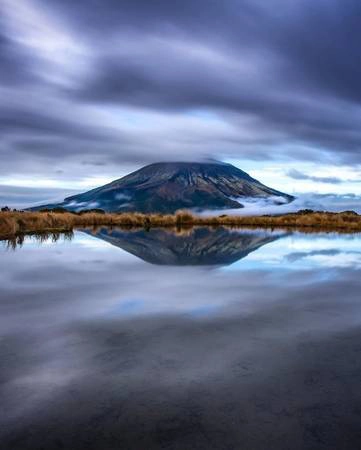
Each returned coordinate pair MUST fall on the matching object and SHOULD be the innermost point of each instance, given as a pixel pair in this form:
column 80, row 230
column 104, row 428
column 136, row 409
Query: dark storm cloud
column 268, row 80
column 12, row 120
column 324, row 41
column 12, row 68
column 298, row 81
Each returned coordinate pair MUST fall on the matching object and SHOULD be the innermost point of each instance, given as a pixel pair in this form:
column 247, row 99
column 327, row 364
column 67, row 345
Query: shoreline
column 14, row 223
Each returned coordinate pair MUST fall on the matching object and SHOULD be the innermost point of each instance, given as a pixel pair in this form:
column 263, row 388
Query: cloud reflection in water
column 101, row 349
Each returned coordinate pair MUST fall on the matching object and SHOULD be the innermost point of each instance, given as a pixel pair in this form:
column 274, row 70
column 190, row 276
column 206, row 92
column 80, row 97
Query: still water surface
column 205, row 339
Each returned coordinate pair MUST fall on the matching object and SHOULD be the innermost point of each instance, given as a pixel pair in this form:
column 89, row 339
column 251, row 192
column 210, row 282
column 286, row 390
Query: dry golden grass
column 16, row 223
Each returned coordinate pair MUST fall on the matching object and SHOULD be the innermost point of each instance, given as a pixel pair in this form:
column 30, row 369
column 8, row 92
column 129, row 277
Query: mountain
column 197, row 246
column 167, row 187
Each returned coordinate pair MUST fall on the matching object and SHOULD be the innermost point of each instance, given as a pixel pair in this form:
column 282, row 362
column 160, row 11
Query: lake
column 194, row 339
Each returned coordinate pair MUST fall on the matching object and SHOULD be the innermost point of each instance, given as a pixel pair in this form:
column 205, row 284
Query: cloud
column 317, row 202
column 20, row 197
column 298, row 175
column 127, row 83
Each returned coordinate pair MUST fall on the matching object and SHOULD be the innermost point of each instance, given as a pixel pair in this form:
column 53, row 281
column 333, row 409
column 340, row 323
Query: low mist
column 277, row 205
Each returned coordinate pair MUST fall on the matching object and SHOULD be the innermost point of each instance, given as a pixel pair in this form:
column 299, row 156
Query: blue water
column 205, row 338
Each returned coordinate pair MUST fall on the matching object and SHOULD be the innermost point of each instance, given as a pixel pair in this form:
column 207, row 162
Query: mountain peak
column 168, row 186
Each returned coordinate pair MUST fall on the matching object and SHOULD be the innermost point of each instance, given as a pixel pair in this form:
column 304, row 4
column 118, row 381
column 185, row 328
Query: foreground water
column 205, row 339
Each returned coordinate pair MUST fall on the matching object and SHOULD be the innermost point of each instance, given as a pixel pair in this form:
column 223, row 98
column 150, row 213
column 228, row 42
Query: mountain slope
column 167, row 187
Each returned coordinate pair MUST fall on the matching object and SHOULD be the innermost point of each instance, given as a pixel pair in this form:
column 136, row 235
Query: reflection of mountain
column 198, row 246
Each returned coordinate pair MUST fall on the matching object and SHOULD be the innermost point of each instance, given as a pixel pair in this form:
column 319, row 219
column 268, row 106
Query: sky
column 91, row 90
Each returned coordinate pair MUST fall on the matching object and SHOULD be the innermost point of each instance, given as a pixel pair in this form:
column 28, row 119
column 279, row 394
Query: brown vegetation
column 17, row 223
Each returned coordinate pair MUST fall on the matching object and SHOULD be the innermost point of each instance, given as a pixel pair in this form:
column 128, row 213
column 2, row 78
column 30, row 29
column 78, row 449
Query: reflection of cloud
column 125, row 354
column 296, row 256
column 328, row 258
column 302, row 252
